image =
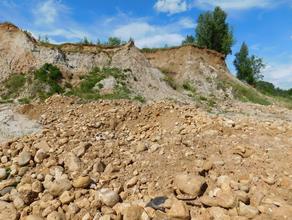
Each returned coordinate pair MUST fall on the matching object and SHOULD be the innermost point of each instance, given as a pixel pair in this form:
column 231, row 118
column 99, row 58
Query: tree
column 114, row 41
column 248, row 67
column 189, row 40
column 85, row 41
column 214, row 32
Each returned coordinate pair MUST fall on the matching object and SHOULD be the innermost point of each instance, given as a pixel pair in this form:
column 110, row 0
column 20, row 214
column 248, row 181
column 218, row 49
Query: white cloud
column 236, row 4
column 171, row 6
column 149, row 35
column 279, row 74
column 187, row 23
column 47, row 12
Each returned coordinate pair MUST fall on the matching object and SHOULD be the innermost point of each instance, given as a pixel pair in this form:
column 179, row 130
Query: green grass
column 50, row 75
column 87, row 88
column 243, row 93
column 139, row 98
column 14, row 84
column 187, row 86
column 168, row 78
column 24, row 100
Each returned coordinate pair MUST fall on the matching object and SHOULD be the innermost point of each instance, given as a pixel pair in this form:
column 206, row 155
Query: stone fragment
column 178, row 210
column 7, row 211
column 23, row 158
column 108, row 197
column 82, row 182
column 190, row 184
column 247, row 211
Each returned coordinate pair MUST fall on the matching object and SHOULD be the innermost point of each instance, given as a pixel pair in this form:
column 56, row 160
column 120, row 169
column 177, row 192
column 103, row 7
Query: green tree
column 189, row 40
column 114, row 41
column 214, row 32
column 248, row 67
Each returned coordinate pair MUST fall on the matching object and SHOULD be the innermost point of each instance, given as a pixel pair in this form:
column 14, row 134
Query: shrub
column 15, row 82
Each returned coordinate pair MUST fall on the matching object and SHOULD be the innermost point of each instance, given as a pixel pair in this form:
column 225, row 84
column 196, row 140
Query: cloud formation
column 48, row 12
column 150, row 35
column 171, row 6
column 236, row 4
column 279, row 74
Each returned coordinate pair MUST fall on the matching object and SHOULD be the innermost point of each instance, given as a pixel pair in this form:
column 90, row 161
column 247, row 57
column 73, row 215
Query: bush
column 24, row 101
column 50, row 75
column 15, row 82
column 13, row 85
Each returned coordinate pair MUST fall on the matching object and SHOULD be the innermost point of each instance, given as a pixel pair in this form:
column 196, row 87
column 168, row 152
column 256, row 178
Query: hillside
column 185, row 74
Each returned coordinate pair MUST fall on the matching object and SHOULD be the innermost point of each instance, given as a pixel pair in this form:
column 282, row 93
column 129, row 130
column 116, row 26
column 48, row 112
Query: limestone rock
column 24, row 158
column 66, row 197
column 82, row 182
column 108, row 197
column 190, row 184
column 179, row 210
column 7, row 211
column 3, row 173
column 247, row 211
column 72, row 162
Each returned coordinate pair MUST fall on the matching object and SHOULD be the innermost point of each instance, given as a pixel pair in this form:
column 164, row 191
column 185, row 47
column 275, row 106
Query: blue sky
column 265, row 25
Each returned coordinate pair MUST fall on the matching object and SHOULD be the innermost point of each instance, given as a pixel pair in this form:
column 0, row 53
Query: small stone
column 7, row 211
column 132, row 182
column 4, row 159
column 40, row 155
column 178, row 210
column 190, row 184
column 108, row 197
column 37, row 186
column 99, row 166
column 82, row 182
column 140, row 147
column 132, row 213
column 247, row 211
column 226, row 199
column 57, row 187
column 72, row 162
column 66, row 197
column 24, row 158
column 218, row 213
column 3, row 173
column 56, row 216
column 256, row 198
column 42, row 145
column 18, row 203
column 105, row 217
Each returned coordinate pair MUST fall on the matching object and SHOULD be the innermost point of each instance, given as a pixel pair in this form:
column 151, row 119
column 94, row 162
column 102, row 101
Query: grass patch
column 24, row 101
column 243, row 93
column 13, row 85
column 89, row 87
column 168, row 78
column 139, row 98
column 187, row 86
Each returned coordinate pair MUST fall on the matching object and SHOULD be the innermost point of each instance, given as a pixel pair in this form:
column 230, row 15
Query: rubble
column 154, row 164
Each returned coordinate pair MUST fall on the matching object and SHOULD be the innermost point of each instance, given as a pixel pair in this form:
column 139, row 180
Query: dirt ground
column 242, row 157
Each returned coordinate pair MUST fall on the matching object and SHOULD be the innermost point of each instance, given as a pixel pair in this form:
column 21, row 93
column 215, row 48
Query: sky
column 265, row 25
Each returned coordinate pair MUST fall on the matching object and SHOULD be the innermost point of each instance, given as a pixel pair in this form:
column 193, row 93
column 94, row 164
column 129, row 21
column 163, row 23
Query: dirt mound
column 120, row 160
column 20, row 53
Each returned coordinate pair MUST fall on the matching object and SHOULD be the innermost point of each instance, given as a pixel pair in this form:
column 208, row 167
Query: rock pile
column 119, row 160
